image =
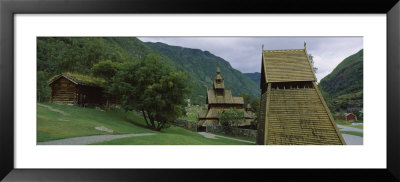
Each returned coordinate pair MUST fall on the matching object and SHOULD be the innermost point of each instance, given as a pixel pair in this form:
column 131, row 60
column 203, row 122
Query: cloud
column 244, row 53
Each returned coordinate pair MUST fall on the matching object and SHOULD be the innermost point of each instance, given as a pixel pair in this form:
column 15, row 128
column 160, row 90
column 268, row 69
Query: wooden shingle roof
column 227, row 98
column 299, row 117
column 287, row 66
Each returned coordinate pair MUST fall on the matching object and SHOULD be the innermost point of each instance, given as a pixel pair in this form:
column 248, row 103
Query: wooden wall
column 66, row 91
column 63, row 91
column 90, row 95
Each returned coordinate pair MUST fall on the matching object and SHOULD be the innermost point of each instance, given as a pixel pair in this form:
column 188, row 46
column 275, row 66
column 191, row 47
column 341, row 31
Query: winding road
column 351, row 139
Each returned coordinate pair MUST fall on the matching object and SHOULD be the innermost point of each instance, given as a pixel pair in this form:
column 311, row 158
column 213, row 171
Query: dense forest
column 344, row 85
column 56, row 55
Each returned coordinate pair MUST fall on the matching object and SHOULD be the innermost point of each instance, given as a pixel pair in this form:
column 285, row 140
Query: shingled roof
column 293, row 111
column 226, row 98
column 298, row 116
column 287, row 65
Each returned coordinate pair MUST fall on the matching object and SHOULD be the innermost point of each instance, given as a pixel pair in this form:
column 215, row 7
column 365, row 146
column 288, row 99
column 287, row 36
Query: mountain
column 344, row 85
column 56, row 55
column 201, row 66
column 256, row 77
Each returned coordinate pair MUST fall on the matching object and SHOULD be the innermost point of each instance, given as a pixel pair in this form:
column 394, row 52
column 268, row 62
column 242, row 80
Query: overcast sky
column 244, row 53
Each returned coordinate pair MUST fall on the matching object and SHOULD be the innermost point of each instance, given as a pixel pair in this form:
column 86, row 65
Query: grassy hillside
column 344, row 86
column 77, row 121
column 58, row 121
column 56, row 55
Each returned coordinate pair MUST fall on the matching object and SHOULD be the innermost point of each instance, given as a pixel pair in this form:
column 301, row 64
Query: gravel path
column 90, row 139
column 352, row 139
column 213, row 136
column 348, row 128
column 207, row 135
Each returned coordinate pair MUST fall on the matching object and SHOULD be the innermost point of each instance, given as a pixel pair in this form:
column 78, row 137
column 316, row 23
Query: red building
column 351, row 117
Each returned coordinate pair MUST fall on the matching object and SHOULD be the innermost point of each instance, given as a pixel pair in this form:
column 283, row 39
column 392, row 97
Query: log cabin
column 72, row 88
column 292, row 109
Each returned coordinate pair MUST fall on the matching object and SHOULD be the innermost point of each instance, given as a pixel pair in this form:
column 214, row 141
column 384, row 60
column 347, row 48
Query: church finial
column 262, row 47
column 305, row 45
column 218, row 70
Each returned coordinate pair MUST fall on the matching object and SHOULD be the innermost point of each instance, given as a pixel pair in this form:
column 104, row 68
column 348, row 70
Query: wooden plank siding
column 64, row 91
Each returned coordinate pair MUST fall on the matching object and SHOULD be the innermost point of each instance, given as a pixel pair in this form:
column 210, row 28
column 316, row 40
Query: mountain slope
column 344, row 85
column 256, row 77
column 201, row 65
column 56, row 55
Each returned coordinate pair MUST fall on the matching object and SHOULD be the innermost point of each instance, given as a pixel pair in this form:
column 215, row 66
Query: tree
column 311, row 58
column 43, row 89
column 246, row 98
column 232, row 117
column 105, row 69
column 358, row 114
column 254, row 102
column 150, row 86
column 255, row 106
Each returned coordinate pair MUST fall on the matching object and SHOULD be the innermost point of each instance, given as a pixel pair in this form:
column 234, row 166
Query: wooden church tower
column 218, row 100
column 292, row 109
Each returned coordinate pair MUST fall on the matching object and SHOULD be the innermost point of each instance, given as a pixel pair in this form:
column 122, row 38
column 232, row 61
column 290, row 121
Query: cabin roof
column 287, row 66
column 227, row 98
column 79, row 79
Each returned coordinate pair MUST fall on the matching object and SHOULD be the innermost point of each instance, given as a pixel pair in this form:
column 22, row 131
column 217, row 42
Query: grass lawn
column 172, row 136
column 80, row 121
column 346, row 123
column 360, row 134
column 250, row 139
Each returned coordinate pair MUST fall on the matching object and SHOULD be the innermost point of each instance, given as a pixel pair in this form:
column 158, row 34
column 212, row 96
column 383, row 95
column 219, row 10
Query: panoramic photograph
column 199, row 91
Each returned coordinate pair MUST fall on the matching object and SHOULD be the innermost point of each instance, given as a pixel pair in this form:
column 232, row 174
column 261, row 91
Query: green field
column 347, row 123
column 172, row 136
column 360, row 134
column 250, row 139
column 52, row 125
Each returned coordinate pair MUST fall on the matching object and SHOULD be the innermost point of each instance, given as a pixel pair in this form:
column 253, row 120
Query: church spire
column 219, row 81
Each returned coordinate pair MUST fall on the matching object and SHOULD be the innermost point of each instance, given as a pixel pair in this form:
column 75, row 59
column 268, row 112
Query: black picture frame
column 9, row 8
